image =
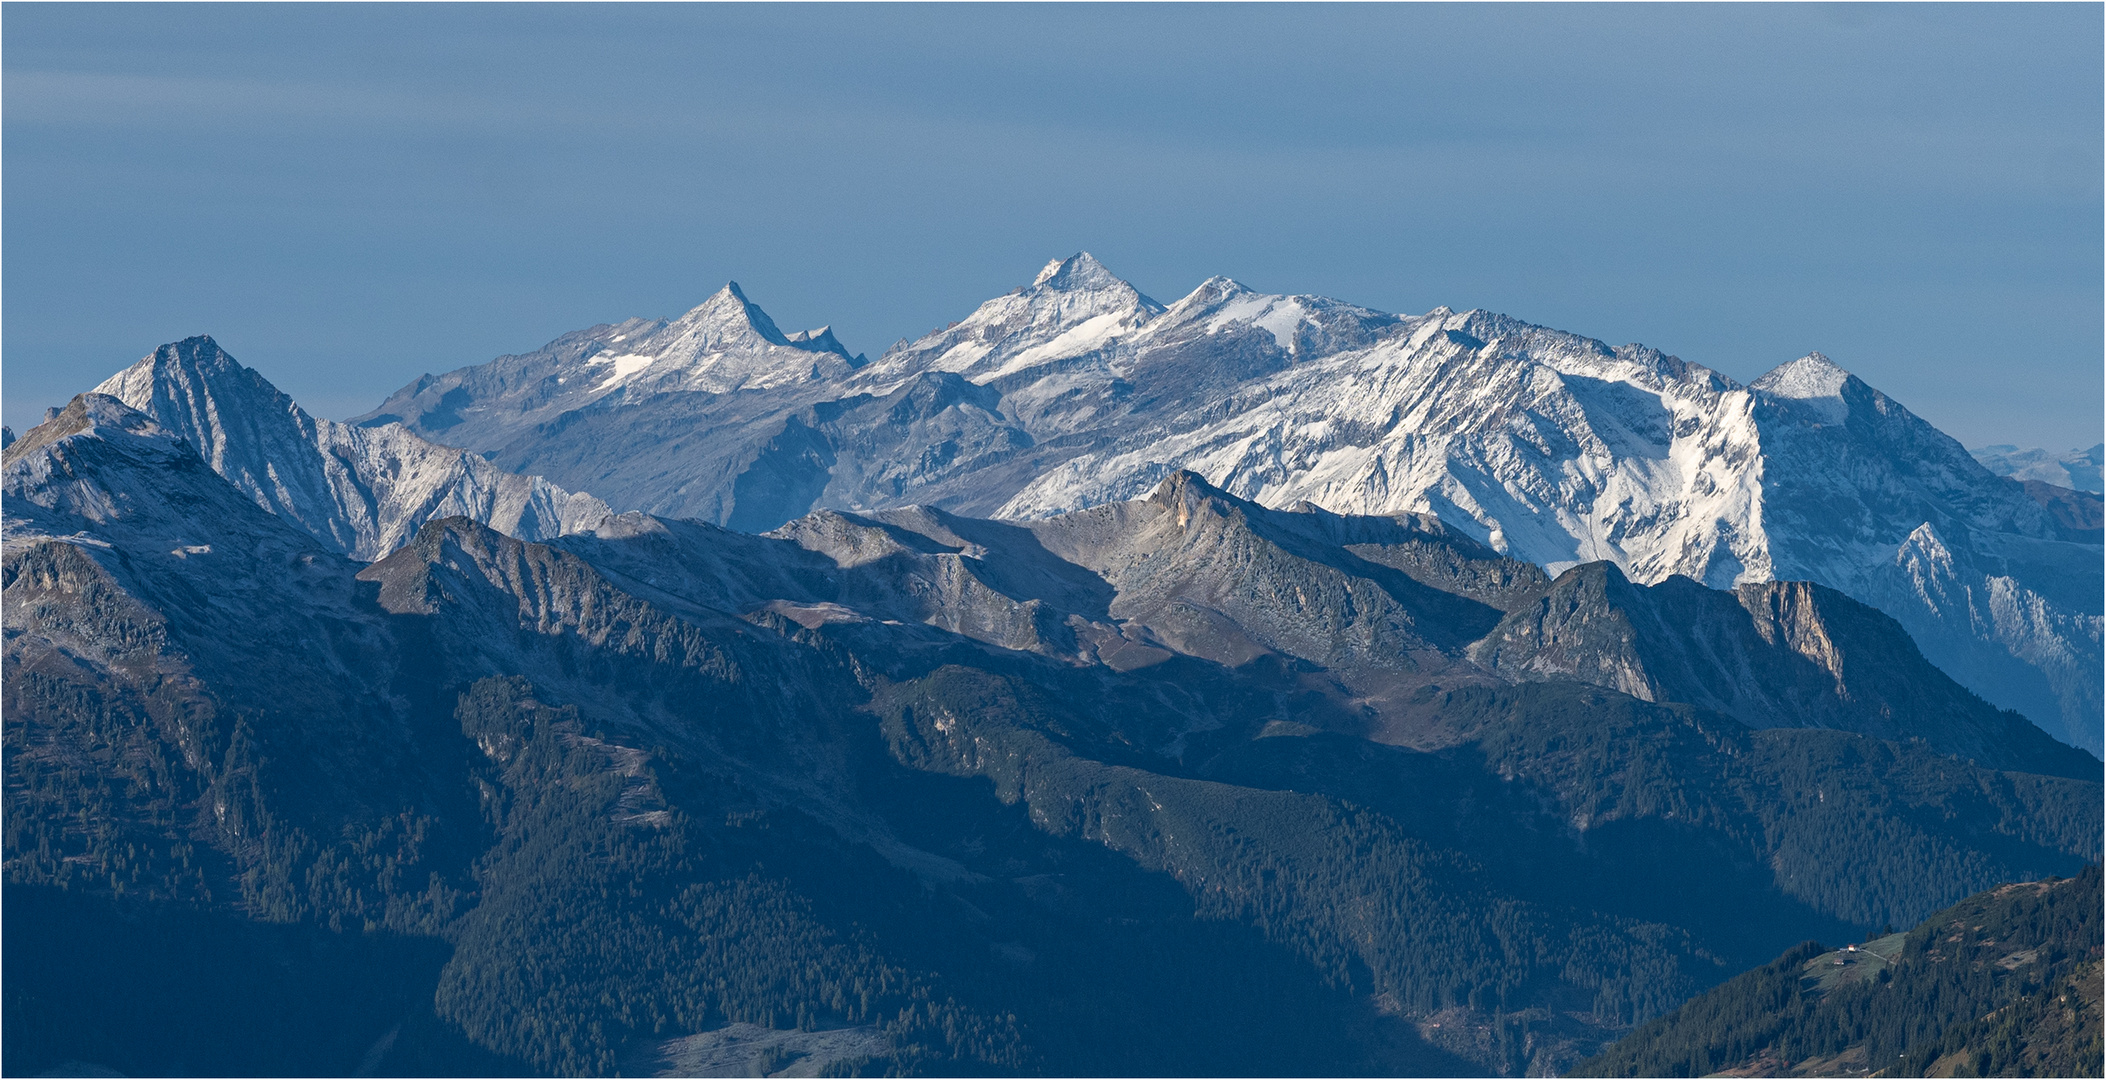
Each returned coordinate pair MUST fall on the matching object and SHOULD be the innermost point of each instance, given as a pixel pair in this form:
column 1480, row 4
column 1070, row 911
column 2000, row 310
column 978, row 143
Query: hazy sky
column 347, row 196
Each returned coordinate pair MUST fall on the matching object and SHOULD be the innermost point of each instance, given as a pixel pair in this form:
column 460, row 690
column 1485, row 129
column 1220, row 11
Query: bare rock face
column 360, row 491
column 1770, row 654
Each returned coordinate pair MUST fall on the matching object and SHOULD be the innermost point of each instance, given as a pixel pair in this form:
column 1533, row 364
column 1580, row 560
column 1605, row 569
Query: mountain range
column 335, row 748
column 2079, row 469
column 1078, row 390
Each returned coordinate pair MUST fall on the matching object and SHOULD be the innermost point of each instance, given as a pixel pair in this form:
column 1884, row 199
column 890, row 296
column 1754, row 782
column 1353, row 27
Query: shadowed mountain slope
column 2004, row 983
column 1770, row 654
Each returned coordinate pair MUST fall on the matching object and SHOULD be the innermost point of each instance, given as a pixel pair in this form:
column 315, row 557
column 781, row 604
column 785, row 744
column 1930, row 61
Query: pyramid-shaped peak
column 728, row 298
column 728, row 311
column 1184, row 485
column 1078, row 271
column 1212, row 295
column 1810, row 376
column 728, row 315
column 181, row 374
column 196, row 344
column 198, row 351
column 1815, row 361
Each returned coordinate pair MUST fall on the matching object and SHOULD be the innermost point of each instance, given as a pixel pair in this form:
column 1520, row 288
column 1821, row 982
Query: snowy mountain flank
column 361, row 491
column 1077, row 390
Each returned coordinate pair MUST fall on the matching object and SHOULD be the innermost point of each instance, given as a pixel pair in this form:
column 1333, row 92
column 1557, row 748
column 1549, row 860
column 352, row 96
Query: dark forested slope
column 2005, row 983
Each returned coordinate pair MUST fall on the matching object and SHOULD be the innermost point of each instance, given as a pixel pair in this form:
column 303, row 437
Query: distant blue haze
column 347, row 196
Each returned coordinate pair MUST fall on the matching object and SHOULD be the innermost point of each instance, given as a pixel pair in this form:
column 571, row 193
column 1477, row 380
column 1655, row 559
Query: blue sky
column 347, row 196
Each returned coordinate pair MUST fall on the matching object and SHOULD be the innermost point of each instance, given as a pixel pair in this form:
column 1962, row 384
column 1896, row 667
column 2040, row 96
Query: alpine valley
column 1250, row 685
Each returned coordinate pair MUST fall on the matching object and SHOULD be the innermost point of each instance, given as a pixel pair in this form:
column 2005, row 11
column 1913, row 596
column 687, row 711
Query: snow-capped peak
column 723, row 344
column 361, row 491
column 1079, row 282
column 818, row 340
column 726, row 316
column 1810, row 376
column 1073, row 308
column 1076, row 390
column 1080, row 271
column 1221, row 304
column 194, row 388
column 187, row 366
column 1212, row 292
column 1814, row 381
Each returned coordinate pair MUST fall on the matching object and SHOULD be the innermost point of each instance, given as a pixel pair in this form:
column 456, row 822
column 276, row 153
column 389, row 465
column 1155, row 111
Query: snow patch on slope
column 1813, row 380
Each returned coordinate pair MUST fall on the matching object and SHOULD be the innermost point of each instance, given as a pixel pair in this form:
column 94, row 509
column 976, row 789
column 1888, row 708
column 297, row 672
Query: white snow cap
column 1078, row 271
column 1810, row 376
column 1812, row 380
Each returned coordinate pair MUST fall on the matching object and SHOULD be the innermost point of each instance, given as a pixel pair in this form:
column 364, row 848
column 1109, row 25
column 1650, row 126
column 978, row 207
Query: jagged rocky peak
column 723, row 344
column 1079, row 285
column 1077, row 391
column 822, row 339
column 248, row 430
column 1074, row 307
column 1178, row 501
column 1080, row 271
column 361, row 491
column 94, row 414
column 102, row 477
column 1298, row 324
column 1770, row 654
column 1184, row 491
column 729, row 318
column 195, row 387
column 1213, row 290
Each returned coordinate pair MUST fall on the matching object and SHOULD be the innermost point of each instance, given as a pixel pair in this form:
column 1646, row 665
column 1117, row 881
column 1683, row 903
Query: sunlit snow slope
column 1078, row 390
